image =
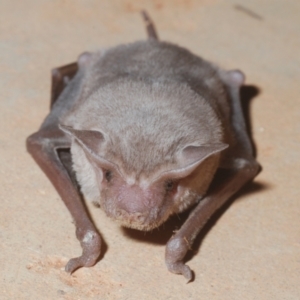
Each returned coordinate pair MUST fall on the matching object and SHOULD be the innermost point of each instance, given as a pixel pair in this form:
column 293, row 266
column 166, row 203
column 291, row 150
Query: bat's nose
column 134, row 199
column 133, row 204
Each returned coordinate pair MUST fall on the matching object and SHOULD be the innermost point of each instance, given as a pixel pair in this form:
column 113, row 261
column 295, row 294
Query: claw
column 91, row 249
column 73, row 264
column 175, row 252
column 181, row 268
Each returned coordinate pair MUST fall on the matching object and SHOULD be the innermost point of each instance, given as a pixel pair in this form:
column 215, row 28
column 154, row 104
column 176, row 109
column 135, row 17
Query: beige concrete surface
column 252, row 251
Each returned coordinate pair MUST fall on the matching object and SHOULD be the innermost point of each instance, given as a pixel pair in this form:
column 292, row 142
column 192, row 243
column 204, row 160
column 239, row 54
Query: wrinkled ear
column 191, row 157
column 91, row 142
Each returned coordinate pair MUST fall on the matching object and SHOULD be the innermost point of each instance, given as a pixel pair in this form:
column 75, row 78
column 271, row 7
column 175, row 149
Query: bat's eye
column 169, row 185
column 108, row 175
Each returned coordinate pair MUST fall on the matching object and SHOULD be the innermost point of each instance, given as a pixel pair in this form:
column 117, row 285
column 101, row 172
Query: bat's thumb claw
column 188, row 274
column 79, row 262
column 176, row 250
column 181, row 268
column 73, row 264
column 91, row 246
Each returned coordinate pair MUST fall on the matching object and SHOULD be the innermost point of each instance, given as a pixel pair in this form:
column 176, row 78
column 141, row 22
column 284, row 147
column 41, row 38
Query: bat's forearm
column 182, row 241
column 43, row 147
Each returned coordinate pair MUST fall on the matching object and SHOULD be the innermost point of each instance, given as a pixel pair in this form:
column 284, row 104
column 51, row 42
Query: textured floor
column 252, row 251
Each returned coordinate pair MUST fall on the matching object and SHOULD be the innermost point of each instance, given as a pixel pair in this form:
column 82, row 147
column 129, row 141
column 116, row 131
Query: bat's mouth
column 137, row 226
column 146, row 220
column 139, row 221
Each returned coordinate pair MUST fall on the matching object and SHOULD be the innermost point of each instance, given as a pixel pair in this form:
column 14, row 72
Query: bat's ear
column 90, row 140
column 191, row 157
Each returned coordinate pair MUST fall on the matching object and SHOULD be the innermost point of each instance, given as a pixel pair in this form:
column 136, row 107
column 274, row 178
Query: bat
column 145, row 127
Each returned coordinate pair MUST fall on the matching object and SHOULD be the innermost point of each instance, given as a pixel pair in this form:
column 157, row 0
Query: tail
column 149, row 26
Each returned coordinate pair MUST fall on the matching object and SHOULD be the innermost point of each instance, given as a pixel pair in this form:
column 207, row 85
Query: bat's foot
column 176, row 250
column 91, row 249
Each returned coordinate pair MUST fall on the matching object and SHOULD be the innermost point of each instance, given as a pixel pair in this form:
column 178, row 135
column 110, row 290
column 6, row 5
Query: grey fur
column 145, row 99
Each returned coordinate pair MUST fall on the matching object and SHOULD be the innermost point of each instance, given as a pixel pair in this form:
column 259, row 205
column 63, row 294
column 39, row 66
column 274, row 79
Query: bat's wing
column 241, row 167
column 49, row 147
column 60, row 78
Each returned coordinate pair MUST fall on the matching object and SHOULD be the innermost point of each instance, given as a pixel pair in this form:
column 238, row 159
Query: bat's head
column 141, row 198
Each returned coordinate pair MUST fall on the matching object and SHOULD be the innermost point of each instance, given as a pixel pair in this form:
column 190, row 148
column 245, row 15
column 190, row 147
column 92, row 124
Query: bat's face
column 145, row 199
column 137, row 204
